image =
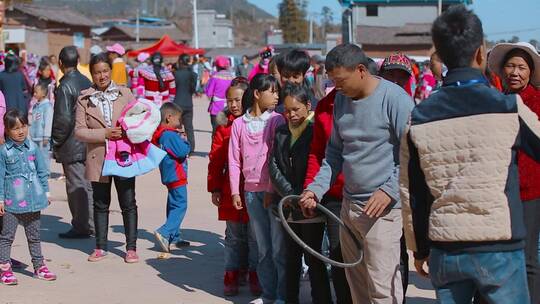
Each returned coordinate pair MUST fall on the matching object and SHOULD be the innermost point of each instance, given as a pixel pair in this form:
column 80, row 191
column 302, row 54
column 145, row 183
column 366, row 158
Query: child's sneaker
column 163, row 243
column 230, row 282
column 97, row 255
column 131, row 257
column 254, row 285
column 43, row 273
column 7, row 277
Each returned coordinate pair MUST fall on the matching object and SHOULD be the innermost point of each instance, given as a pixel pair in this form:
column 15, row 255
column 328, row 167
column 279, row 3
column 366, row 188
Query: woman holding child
column 98, row 110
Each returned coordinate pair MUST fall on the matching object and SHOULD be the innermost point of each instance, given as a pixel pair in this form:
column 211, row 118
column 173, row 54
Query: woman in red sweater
column 322, row 129
column 518, row 65
column 240, row 245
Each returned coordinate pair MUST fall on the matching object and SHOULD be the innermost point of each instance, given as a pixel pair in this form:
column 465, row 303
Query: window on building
column 372, row 10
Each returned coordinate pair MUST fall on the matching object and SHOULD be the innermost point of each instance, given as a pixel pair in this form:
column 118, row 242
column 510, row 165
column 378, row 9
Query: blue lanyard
column 467, row 83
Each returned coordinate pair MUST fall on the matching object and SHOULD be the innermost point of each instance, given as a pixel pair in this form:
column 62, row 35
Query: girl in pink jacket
column 252, row 136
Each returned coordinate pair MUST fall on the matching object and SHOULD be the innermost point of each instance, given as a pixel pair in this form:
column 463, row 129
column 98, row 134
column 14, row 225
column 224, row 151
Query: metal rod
column 195, row 27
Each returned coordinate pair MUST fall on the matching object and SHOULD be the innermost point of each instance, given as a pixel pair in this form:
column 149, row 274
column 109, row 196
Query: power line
column 514, row 32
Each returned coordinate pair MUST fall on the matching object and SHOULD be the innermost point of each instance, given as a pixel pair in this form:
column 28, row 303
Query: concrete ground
column 191, row 275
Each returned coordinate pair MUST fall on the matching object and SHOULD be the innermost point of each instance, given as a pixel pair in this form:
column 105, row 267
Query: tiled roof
column 149, row 33
column 61, row 14
column 411, row 33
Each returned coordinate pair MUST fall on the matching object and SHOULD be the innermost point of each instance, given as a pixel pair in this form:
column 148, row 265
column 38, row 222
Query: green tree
column 292, row 20
column 514, row 39
column 327, row 16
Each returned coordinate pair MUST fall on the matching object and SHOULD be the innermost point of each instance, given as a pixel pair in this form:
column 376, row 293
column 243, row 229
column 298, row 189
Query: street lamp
column 195, row 27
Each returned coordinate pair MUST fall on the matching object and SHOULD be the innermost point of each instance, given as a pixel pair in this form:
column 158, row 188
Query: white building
column 389, row 13
column 215, row 30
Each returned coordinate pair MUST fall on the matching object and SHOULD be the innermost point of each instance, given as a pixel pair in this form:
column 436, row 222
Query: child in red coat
column 240, row 244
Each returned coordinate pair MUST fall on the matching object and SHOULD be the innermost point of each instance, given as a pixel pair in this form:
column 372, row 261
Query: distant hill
column 122, row 8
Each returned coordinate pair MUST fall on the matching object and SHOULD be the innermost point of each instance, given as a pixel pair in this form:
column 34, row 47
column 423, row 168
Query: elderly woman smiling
column 518, row 65
column 98, row 110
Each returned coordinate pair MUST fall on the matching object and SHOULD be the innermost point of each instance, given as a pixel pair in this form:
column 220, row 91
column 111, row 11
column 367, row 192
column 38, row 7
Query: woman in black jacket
column 186, row 83
column 13, row 85
column 288, row 164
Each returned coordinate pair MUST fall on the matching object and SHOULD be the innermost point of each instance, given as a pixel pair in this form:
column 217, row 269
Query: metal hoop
column 329, row 214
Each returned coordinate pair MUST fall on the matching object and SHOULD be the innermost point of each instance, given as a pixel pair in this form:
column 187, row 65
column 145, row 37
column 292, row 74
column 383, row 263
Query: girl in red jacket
column 240, row 244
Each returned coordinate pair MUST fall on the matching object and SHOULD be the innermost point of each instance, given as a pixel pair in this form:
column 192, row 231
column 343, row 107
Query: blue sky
column 502, row 19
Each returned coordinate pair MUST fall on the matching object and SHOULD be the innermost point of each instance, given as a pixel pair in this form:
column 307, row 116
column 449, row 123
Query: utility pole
column 137, row 28
column 439, row 8
column 310, row 28
column 2, row 20
column 195, row 26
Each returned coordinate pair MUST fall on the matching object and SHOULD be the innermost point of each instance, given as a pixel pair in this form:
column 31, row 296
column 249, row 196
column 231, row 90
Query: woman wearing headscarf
column 159, row 84
column 518, row 65
column 13, row 85
column 217, row 88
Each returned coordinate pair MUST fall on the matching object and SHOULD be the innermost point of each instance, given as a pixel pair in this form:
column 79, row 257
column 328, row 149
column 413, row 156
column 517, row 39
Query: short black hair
column 44, row 62
column 183, row 60
column 372, row 67
column 98, row 58
column 11, row 118
column 11, row 63
column 347, row 56
column 457, row 34
column 169, row 108
column 42, row 86
column 296, row 91
column 69, row 56
column 295, row 61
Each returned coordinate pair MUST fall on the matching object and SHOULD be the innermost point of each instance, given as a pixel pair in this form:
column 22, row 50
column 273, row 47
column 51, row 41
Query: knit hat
column 498, row 54
column 397, row 61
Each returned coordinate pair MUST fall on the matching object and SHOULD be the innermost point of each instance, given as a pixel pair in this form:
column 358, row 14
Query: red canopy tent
column 167, row 47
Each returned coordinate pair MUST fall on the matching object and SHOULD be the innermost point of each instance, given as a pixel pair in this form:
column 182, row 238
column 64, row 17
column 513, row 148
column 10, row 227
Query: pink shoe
column 7, row 277
column 43, row 273
column 131, row 257
column 97, row 255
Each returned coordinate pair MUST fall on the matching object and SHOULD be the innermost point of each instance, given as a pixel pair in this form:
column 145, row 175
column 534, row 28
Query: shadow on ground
column 198, row 267
column 52, row 225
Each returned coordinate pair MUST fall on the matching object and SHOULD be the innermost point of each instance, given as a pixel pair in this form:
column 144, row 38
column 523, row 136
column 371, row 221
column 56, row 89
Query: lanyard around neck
column 467, row 83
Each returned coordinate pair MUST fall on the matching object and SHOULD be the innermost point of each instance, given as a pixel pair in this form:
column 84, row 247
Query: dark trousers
column 213, row 122
column 125, row 188
column 531, row 210
column 312, row 235
column 79, row 195
column 187, row 121
column 31, row 223
column 404, row 266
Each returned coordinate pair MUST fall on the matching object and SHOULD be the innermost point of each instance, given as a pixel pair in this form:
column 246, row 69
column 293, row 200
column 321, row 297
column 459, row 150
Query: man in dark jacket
column 68, row 151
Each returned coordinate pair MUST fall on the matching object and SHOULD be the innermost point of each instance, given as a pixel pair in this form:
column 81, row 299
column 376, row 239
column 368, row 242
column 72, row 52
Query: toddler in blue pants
column 173, row 170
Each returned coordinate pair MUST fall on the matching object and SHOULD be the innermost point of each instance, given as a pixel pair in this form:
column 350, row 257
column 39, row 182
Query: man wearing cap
column 397, row 68
column 119, row 70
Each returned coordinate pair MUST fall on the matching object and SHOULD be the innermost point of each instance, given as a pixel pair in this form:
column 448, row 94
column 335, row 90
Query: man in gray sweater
column 370, row 115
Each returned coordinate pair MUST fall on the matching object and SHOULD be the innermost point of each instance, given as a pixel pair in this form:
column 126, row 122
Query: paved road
column 192, row 275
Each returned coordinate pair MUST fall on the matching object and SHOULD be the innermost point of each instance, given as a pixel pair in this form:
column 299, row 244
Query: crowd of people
column 441, row 158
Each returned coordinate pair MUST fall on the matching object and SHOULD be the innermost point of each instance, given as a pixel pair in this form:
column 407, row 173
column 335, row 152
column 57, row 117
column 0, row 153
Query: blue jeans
column 500, row 277
column 271, row 244
column 176, row 210
column 240, row 247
